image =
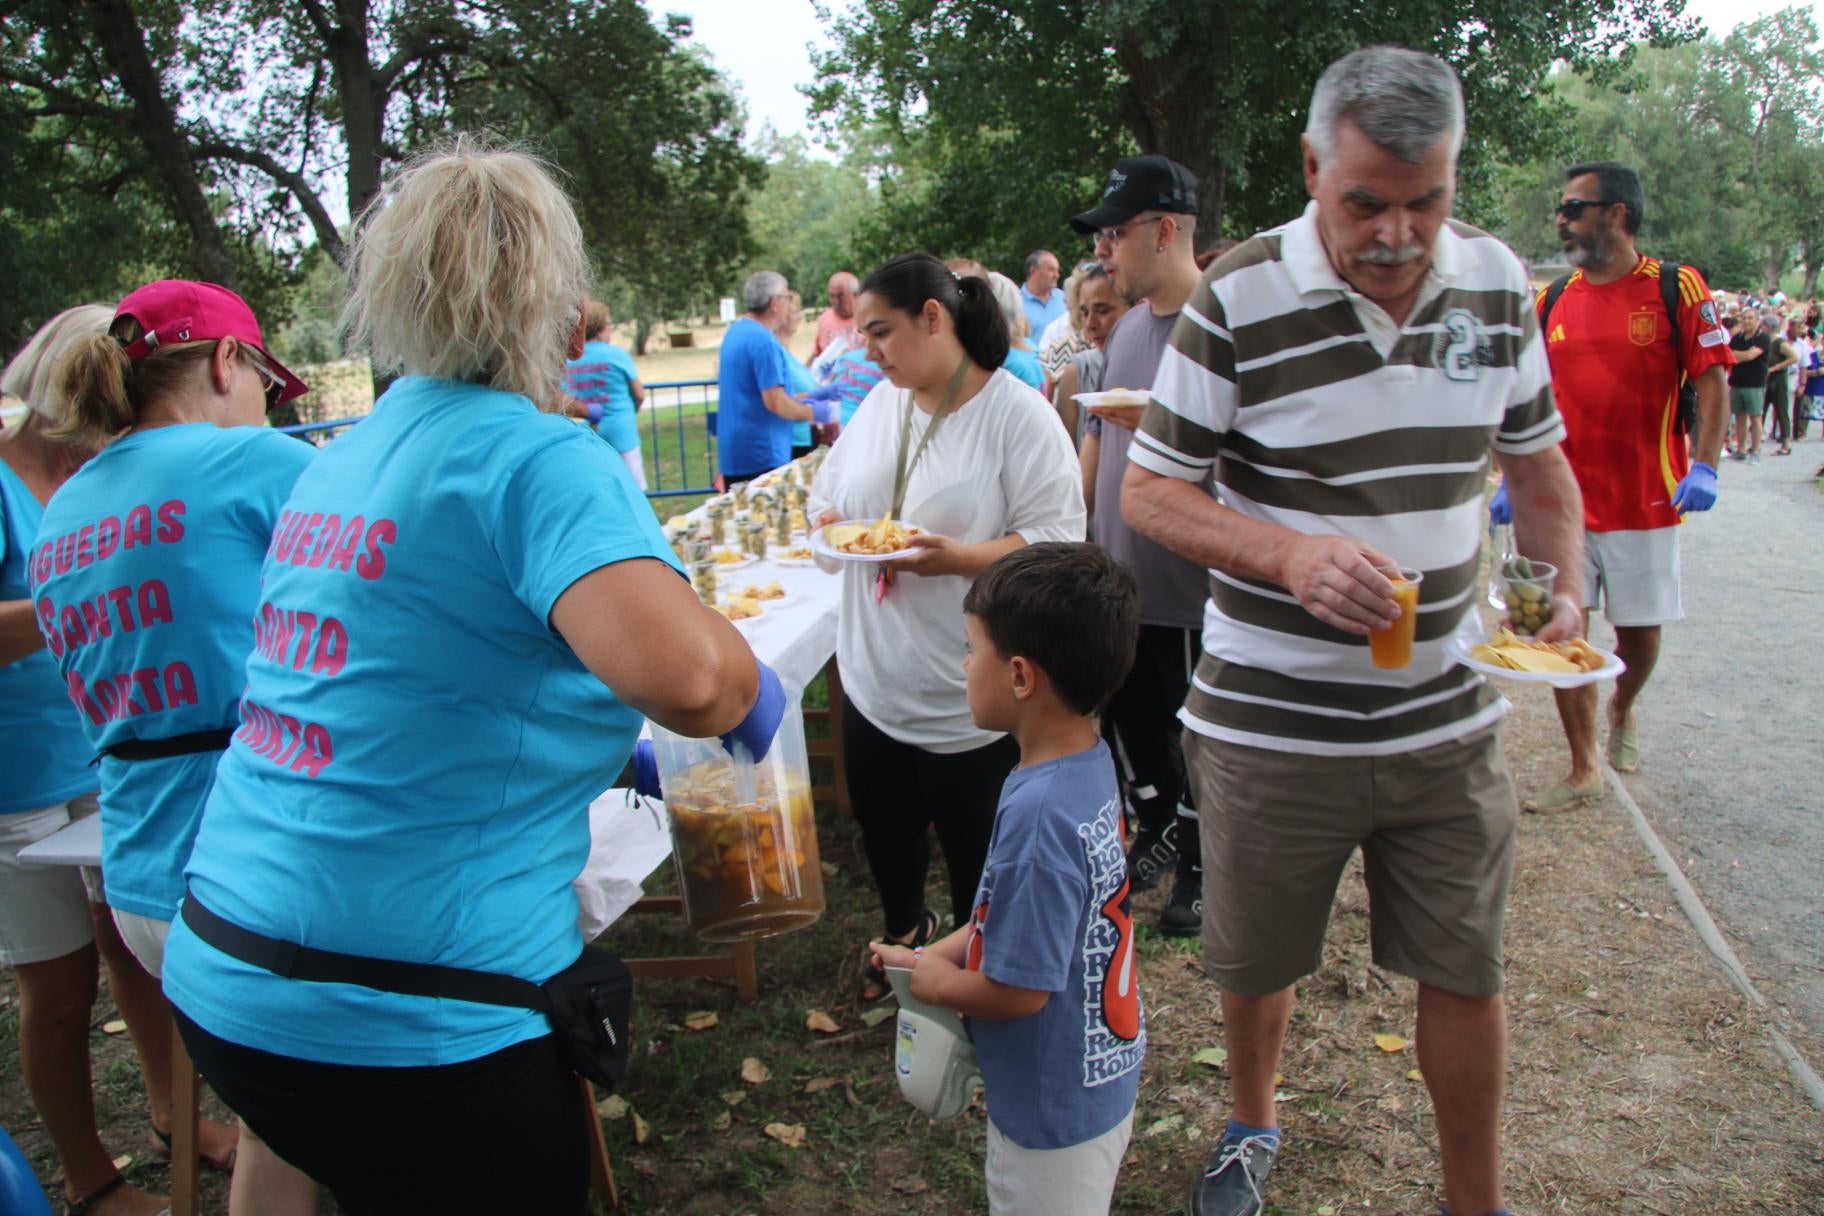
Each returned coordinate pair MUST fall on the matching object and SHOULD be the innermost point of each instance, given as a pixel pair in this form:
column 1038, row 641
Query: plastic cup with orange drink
column 1391, row 647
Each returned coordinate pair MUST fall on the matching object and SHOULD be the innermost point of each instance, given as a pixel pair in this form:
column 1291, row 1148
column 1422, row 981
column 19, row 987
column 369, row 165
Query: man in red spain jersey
column 1616, row 369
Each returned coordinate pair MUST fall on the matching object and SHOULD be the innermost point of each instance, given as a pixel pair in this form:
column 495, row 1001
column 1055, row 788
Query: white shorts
column 636, row 464
column 145, row 937
column 1633, row 576
column 1077, row 1180
column 44, row 910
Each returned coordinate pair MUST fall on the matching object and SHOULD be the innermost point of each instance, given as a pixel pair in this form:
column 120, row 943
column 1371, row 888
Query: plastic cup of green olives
column 1528, row 594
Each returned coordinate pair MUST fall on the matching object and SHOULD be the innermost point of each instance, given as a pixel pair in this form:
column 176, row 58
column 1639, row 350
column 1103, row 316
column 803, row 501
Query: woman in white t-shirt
column 978, row 461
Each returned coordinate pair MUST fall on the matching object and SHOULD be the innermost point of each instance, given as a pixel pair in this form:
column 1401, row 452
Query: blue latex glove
column 593, row 411
column 1500, row 511
column 646, row 769
column 1697, row 492
column 756, row 731
column 823, row 411
column 823, row 392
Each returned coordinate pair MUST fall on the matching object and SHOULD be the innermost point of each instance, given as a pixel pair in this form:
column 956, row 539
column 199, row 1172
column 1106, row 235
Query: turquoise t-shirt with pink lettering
column 420, row 745
column 145, row 575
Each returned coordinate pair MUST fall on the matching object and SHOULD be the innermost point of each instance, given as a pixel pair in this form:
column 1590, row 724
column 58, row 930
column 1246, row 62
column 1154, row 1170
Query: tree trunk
column 363, row 106
column 1770, row 271
column 1169, row 108
column 1809, row 288
column 123, row 45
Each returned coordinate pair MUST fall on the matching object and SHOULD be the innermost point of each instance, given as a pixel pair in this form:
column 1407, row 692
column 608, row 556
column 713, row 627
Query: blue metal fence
column 668, row 440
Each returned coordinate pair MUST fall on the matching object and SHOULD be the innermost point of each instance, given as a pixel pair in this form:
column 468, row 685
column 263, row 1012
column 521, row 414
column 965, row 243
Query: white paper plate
column 1116, row 396
column 824, row 547
column 1612, row 666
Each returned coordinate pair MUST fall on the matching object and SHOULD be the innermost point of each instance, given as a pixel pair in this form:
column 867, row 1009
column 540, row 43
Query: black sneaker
column 1151, row 855
column 1232, row 1177
column 1183, row 915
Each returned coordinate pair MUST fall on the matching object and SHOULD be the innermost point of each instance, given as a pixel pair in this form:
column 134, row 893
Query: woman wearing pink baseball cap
column 145, row 580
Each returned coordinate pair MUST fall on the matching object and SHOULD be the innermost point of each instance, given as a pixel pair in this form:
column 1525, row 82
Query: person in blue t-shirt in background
column 145, row 580
column 1022, row 359
column 441, row 683
column 755, row 408
column 604, row 379
column 1045, row 972
column 799, row 381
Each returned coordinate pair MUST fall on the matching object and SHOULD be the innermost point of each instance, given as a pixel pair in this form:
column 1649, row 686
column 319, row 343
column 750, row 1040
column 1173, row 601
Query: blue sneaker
column 1232, row 1177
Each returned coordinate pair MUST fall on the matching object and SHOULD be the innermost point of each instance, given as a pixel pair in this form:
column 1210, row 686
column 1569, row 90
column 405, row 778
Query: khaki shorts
column 1634, row 577
column 1436, row 830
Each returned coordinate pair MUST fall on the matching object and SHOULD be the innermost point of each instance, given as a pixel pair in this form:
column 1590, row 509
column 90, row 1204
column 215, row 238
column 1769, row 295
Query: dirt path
column 1730, row 726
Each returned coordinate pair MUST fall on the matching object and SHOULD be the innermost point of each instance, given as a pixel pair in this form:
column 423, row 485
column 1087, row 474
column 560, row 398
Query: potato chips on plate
column 1560, row 664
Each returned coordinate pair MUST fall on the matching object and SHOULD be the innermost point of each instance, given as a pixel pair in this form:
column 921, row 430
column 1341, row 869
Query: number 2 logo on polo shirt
column 1463, row 349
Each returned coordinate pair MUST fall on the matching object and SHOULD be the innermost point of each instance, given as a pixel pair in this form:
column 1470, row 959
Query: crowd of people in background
column 224, row 616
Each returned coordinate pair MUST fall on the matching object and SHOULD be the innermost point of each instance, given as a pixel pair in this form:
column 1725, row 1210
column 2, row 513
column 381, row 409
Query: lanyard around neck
column 902, row 476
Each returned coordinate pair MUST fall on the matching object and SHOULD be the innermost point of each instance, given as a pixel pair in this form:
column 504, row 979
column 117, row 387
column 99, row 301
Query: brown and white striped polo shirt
column 1299, row 402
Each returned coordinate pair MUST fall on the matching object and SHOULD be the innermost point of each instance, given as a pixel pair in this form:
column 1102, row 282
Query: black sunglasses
column 1571, row 208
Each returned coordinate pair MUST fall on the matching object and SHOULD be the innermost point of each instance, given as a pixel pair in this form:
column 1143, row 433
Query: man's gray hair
column 1402, row 100
column 762, row 288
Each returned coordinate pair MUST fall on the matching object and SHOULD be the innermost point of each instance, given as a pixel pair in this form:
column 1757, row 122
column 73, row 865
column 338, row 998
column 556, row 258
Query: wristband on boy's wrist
column 918, row 952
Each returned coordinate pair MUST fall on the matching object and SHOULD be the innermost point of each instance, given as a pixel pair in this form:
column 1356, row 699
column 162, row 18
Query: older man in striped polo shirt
column 1325, row 411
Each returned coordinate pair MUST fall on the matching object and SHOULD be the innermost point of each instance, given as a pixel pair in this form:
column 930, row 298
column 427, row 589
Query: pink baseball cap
column 178, row 310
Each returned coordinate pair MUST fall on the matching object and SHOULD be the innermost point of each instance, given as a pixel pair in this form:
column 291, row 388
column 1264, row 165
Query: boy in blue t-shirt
column 1045, row 972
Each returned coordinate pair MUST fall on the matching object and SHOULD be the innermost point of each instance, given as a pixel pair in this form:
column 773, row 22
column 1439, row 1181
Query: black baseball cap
column 1141, row 183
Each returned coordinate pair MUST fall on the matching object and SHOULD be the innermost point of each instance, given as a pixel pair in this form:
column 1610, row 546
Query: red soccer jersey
column 1615, row 376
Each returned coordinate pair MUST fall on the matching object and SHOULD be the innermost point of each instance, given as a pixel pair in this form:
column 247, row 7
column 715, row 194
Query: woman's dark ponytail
column 979, row 323
column 910, row 279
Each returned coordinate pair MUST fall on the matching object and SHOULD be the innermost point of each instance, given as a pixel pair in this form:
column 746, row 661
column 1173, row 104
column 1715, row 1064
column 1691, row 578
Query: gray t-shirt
column 1172, row 590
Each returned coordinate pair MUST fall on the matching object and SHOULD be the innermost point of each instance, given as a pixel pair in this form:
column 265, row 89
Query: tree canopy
column 981, row 102
column 1728, row 138
column 223, row 138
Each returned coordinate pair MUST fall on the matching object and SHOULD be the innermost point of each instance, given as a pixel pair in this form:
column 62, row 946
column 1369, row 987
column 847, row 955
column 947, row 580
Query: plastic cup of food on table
column 1391, row 648
column 1528, row 594
column 742, row 833
column 705, row 577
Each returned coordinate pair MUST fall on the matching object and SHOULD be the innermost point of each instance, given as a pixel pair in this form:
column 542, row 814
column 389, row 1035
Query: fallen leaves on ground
column 819, row 1084
column 754, row 1072
column 123, row 1161
column 723, row 1121
column 789, row 1134
column 877, row 1015
column 114, row 1027
column 613, row 1107
column 1160, row 1127
column 821, row 1022
column 913, row 1184
column 1392, row 1044
column 700, row 1021
column 641, row 1129
column 734, row 1097
column 1215, row 1057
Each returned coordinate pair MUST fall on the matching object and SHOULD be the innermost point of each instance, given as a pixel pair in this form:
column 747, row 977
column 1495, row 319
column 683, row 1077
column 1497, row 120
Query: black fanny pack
column 587, row 1003
column 171, row 745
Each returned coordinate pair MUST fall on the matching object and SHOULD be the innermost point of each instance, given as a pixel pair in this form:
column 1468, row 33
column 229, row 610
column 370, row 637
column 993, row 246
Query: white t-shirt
column 999, row 464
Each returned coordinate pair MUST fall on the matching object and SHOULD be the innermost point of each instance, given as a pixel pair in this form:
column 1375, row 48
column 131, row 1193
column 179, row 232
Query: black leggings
column 503, row 1133
column 1142, row 722
column 899, row 791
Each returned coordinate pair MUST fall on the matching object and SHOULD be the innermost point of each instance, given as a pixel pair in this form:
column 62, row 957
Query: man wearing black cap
column 1144, row 234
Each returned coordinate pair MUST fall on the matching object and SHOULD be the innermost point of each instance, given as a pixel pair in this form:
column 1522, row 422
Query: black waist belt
column 173, row 745
column 297, row 962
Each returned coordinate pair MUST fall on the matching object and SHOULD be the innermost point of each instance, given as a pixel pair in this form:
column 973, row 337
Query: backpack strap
column 1669, row 296
column 1549, row 300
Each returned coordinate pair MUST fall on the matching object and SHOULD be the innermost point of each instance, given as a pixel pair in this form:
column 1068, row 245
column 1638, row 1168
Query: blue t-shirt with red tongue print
column 1052, row 914
column 419, row 746
column 145, row 575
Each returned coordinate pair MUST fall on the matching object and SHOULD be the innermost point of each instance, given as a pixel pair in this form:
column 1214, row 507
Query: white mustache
column 1381, row 255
